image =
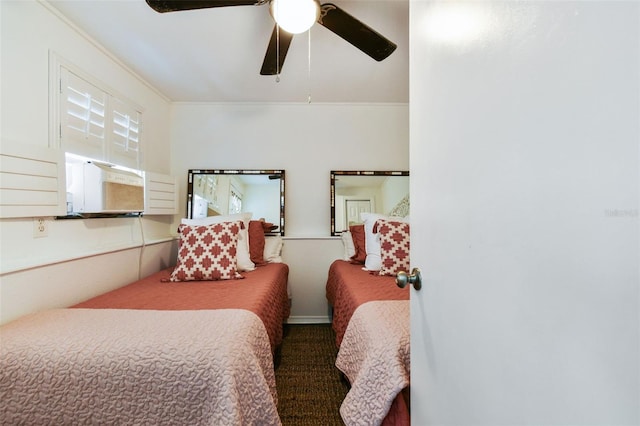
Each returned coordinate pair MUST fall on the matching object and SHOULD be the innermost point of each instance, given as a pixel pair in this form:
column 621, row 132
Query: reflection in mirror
column 354, row 192
column 222, row 192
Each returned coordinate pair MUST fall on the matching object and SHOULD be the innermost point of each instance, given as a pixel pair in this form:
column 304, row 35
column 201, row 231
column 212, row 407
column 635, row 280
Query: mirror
column 354, row 192
column 222, row 192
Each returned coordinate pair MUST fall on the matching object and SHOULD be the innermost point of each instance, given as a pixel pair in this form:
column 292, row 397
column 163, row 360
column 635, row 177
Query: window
column 235, row 201
column 125, row 132
column 97, row 124
column 82, row 118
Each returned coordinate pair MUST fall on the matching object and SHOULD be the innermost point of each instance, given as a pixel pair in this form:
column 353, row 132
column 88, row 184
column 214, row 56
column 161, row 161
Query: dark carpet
column 310, row 387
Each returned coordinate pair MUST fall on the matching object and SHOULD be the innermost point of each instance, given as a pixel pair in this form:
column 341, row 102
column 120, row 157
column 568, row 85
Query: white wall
column 29, row 31
column 259, row 199
column 525, row 162
column 307, row 141
column 62, row 284
column 394, row 190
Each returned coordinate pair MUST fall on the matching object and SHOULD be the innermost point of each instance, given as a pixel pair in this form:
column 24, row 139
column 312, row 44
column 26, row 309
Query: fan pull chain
column 277, row 52
column 309, row 67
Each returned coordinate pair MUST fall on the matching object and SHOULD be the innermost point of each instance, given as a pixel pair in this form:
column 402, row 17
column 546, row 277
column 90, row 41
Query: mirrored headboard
column 221, row 192
column 353, row 192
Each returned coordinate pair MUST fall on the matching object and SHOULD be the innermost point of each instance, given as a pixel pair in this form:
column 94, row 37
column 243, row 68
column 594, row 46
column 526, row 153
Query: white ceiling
column 215, row 55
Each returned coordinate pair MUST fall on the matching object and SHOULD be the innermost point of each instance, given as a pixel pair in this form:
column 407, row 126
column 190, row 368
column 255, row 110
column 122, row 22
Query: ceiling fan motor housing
column 330, row 16
column 295, row 16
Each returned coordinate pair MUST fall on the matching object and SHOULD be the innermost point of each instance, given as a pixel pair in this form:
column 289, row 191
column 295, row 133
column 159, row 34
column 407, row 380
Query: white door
column 525, row 130
column 354, row 208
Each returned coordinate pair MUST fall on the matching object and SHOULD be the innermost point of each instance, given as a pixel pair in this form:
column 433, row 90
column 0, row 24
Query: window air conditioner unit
column 102, row 188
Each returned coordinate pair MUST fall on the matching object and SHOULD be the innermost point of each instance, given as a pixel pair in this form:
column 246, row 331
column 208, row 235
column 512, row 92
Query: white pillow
column 373, row 262
column 349, row 247
column 243, row 258
column 273, row 249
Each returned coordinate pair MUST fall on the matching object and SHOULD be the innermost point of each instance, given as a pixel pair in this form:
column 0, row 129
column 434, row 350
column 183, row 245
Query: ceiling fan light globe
column 295, row 16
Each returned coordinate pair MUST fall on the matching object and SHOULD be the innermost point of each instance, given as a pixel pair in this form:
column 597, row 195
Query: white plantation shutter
column 96, row 124
column 82, row 116
column 235, row 199
column 125, row 134
column 235, row 203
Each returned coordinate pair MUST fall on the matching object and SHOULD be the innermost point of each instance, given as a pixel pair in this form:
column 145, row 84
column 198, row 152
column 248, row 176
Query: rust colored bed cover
column 349, row 286
column 263, row 292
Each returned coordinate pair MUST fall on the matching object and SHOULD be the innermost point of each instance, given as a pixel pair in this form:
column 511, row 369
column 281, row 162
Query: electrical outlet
column 40, row 227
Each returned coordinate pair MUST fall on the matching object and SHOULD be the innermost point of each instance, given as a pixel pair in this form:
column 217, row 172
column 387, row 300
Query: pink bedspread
column 375, row 357
column 145, row 367
column 348, row 286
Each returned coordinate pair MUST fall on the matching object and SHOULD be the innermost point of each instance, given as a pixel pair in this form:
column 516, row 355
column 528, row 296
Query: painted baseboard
column 308, row 320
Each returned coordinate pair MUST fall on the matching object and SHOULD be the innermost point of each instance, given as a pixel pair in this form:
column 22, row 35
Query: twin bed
column 371, row 322
column 179, row 347
column 156, row 351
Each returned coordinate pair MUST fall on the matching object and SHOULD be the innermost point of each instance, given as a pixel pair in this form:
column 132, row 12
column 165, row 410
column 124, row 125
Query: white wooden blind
column 125, row 133
column 32, row 182
column 96, row 124
column 235, row 202
column 82, row 116
column 161, row 194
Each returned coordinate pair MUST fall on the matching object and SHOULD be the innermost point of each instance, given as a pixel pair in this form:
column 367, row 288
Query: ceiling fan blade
column 163, row 6
column 274, row 58
column 355, row 32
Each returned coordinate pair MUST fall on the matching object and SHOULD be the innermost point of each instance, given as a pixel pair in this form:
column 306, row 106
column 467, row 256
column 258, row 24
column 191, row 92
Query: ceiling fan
column 329, row 16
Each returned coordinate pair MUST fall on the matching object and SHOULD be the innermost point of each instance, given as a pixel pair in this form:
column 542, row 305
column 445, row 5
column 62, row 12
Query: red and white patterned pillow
column 207, row 252
column 394, row 246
